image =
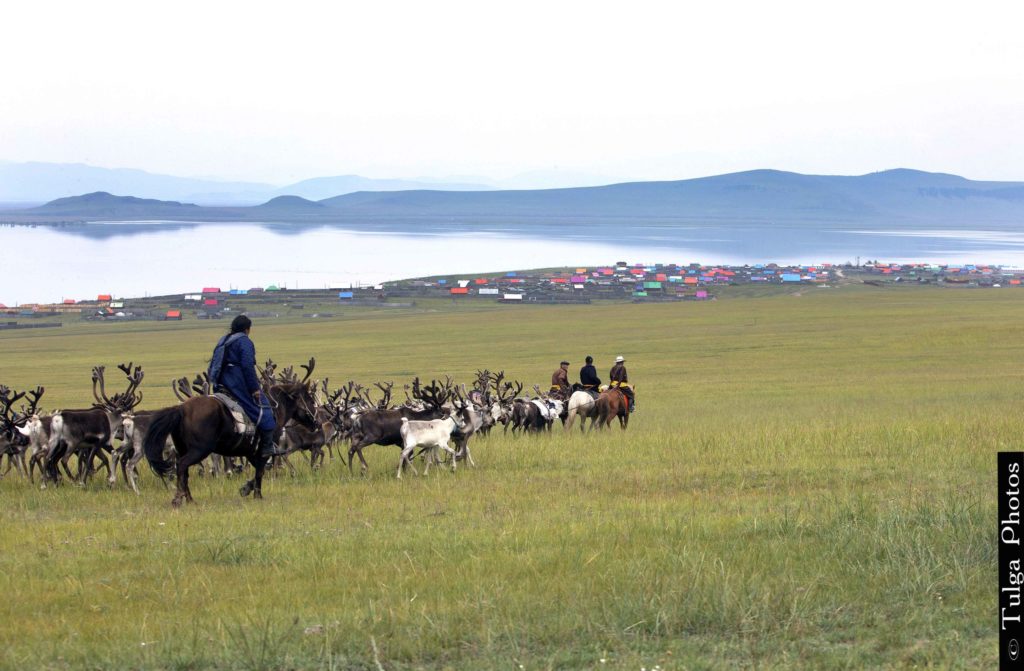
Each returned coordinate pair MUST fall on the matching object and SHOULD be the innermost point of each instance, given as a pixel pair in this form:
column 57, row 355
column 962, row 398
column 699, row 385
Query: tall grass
column 805, row 484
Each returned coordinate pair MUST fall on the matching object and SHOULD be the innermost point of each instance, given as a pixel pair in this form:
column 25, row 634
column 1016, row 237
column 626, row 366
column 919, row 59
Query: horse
column 610, row 404
column 202, row 426
column 583, row 405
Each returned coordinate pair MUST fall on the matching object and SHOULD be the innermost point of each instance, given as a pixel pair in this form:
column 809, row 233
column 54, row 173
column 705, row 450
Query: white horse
column 583, row 404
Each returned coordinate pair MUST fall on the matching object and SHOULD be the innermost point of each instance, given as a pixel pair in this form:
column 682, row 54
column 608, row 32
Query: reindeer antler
column 130, row 399
column 181, row 389
column 435, row 395
column 33, row 406
column 309, row 369
column 386, row 400
column 267, row 372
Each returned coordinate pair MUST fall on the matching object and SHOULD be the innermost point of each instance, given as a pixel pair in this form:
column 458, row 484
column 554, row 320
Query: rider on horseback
column 620, row 378
column 589, row 380
column 233, row 372
column 560, row 381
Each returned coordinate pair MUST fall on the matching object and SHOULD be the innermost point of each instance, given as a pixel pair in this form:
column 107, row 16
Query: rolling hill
column 894, row 198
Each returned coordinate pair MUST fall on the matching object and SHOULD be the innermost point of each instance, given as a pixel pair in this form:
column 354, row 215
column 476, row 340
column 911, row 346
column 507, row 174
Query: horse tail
column 571, row 417
column 164, row 422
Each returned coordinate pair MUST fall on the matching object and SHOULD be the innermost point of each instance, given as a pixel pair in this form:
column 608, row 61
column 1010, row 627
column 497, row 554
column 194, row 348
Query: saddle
column 243, row 425
column 546, row 411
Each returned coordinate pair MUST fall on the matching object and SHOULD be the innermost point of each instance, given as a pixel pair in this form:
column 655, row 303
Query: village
column 618, row 282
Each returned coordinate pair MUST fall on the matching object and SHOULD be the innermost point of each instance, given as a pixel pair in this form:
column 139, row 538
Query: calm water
column 140, row 258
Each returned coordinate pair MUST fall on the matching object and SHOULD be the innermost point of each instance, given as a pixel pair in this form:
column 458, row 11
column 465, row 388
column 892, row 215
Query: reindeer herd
column 312, row 420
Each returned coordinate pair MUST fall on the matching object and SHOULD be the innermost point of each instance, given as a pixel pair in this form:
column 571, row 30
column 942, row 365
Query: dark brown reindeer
column 87, row 434
column 10, row 438
column 202, row 426
column 506, row 393
column 382, row 425
column 329, row 417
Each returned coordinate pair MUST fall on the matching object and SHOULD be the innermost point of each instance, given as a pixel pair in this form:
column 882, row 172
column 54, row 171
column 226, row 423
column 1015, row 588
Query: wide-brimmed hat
column 619, row 359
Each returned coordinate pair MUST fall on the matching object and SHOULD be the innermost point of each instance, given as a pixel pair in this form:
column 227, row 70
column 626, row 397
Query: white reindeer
column 430, row 436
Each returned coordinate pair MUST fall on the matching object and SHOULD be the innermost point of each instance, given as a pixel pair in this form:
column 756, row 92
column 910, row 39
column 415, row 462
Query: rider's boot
column 267, row 449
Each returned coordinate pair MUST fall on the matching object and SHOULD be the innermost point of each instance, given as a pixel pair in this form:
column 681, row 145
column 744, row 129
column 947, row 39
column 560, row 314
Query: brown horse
column 611, row 403
column 202, row 426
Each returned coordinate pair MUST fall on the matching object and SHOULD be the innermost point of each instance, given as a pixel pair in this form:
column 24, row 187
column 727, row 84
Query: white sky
column 281, row 91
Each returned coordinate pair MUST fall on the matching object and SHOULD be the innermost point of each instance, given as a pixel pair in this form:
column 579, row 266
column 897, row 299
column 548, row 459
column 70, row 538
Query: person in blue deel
column 233, row 372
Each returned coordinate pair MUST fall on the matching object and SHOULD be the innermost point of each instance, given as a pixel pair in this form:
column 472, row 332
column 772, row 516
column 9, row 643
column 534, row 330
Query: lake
column 46, row 264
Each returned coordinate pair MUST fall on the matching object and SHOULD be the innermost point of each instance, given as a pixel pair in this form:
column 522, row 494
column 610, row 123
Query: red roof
column 69, row 301
column 103, row 297
column 211, row 290
column 480, row 281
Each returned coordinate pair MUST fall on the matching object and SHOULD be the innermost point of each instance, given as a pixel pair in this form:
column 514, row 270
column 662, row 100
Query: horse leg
column 255, row 486
column 185, row 461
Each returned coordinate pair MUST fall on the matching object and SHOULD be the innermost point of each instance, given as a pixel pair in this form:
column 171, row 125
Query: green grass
column 807, row 484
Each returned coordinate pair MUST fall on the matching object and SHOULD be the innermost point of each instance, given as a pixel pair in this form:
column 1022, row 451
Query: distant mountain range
column 894, row 198
column 43, row 182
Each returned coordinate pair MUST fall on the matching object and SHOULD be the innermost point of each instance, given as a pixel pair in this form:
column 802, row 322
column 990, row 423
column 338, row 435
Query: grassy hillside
column 806, row 483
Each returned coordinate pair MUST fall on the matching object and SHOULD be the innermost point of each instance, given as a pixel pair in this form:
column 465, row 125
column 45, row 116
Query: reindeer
column 330, row 418
column 88, row 433
column 506, row 393
column 536, row 414
column 382, row 426
column 11, row 438
column 31, row 432
column 430, row 436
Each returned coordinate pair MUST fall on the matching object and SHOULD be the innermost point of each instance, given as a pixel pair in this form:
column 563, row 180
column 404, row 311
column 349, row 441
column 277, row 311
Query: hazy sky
column 281, row 91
